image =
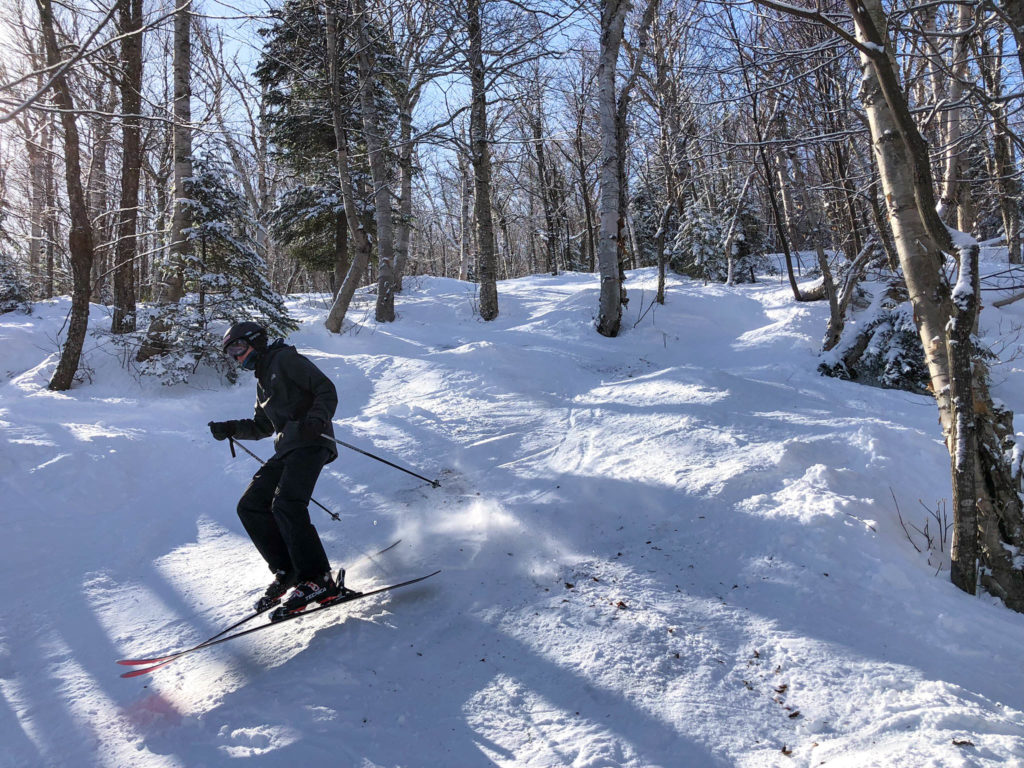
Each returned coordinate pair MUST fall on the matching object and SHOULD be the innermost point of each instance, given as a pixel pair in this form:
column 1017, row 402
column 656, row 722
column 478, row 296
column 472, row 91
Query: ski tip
column 143, row 671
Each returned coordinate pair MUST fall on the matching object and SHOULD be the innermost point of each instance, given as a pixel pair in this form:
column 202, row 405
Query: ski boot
column 322, row 591
column 283, row 581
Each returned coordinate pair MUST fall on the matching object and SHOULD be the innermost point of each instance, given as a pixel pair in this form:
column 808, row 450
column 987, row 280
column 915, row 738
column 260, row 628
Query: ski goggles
column 237, row 348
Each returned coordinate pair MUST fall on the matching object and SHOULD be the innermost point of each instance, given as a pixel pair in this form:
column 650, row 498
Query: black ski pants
column 274, row 511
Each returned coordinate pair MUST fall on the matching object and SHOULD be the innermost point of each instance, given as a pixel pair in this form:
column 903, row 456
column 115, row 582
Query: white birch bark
column 609, row 314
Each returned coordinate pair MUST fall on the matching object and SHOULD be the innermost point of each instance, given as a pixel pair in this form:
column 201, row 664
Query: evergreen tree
column 304, row 222
column 700, row 248
column 882, row 348
column 299, row 123
column 697, row 249
column 646, row 207
column 13, row 293
column 224, row 279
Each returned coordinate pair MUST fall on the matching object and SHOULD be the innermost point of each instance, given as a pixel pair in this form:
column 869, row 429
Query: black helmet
column 252, row 333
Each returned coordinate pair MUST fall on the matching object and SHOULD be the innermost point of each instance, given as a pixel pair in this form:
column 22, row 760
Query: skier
column 295, row 402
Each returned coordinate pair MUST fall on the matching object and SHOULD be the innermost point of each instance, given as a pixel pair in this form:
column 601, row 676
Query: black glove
column 312, row 428
column 222, row 430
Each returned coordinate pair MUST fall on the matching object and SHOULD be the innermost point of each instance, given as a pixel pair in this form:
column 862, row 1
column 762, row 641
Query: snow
column 677, row 547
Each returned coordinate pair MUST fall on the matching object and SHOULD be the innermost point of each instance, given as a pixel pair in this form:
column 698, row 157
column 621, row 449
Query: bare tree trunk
column 37, row 206
column 544, row 181
column 51, row 223
column 481, row 154
column 964, row 553
column 954, row 197
column 385, row 311
column 182, row 148
column 97, row 190
column 588, row 251
column 341, row 260
column 336, row 317
column 404, row 230
column 812, row 224
column 80, row 243
column 130, row 13
column 844, row 294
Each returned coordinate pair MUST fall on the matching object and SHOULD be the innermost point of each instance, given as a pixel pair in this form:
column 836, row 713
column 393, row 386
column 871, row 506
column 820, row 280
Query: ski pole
column 232, row 443
column 433, row 483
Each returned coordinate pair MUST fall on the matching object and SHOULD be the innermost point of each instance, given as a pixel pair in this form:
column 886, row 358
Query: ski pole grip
column 231, row 445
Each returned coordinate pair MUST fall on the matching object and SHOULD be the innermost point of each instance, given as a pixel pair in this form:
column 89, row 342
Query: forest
column 190, row 165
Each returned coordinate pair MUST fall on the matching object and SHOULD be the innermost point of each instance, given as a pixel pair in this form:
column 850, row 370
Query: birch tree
column 609, row 239
column 988, row 521
column 612, row 112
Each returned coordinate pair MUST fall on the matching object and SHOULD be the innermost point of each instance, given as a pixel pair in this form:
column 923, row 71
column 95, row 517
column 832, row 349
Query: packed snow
column 680, row 547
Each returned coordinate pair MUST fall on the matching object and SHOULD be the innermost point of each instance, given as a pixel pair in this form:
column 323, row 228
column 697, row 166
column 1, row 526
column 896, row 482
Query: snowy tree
column 223, row 275
column 718, row 244
column 13, row 292
column 696, row 250
column 882, row 347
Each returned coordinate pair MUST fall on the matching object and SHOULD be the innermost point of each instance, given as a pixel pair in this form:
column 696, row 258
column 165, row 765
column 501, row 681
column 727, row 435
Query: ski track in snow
column 678, row 547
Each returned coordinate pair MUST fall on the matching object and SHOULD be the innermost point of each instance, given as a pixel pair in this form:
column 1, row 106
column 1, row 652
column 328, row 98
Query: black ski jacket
column 288, row 389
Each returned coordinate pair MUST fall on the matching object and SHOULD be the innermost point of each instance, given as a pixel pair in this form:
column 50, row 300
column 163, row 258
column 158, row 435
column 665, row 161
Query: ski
column 345, row 598
column 237, row 624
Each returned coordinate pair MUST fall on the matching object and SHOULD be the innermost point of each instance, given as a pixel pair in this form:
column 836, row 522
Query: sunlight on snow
column 809, row 497
column 260, row 740
column 651, row 389
column 118, row 740
column 192, row 569
column 89, row 432
column 16, row 698
column 481, row 523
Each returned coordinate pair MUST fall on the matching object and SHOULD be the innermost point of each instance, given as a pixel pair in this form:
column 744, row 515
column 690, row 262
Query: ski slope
column 678, row 548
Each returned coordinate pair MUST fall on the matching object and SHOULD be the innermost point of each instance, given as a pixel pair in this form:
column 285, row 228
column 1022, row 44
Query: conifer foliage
column 881, row 346
column 13, row 293
column 224, row 276
column 708, row 240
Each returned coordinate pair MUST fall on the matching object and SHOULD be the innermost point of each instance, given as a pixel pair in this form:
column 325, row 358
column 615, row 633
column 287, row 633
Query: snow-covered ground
column 679, row 548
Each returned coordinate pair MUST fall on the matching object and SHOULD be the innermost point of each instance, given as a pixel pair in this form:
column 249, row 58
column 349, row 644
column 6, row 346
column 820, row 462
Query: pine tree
column 13, row 292
column 696, row 250
column 700, row 248
column 223, row 275
column 310, row 218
